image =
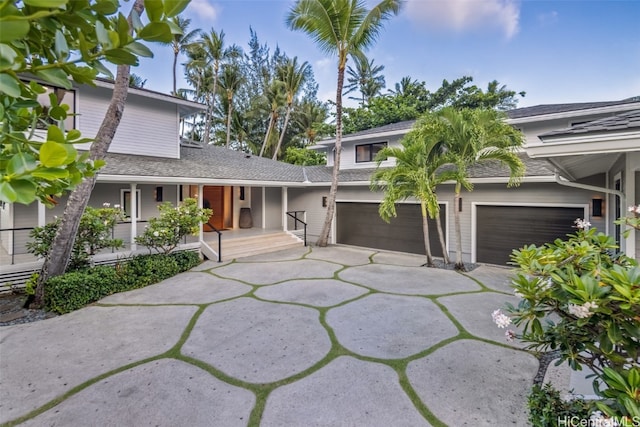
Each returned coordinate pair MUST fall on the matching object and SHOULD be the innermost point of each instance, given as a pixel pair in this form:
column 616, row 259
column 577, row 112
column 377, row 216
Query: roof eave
column 575, row 113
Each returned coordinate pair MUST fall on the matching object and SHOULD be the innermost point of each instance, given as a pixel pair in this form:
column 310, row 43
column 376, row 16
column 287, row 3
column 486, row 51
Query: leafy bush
column 76, row 289
column 547, row 409
column 94, row 234
column 163, row 234
column 579, row 297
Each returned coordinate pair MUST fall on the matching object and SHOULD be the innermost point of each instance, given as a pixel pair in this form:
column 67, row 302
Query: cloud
column 203, row 9
column 465, row 15
column 549, row 18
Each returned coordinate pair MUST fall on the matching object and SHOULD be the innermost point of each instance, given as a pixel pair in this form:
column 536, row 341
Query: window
column 125, row 202
column 64, row 96
column 368, row 152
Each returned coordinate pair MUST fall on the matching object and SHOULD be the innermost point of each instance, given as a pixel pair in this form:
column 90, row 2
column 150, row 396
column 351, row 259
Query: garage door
column 500, row 229
column 359, row 224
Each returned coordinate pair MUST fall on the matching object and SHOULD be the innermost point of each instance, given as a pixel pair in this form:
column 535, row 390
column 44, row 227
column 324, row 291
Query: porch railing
column 296, row 221
column 219, row 240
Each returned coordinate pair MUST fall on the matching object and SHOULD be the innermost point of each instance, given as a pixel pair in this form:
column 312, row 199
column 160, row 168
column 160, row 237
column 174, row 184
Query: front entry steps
column 239, row 247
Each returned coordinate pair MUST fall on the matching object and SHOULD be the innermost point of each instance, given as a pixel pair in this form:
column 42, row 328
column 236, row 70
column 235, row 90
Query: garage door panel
column 359, row 224
column 500, row 229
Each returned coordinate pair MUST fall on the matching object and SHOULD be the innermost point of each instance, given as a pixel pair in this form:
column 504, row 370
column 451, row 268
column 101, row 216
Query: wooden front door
column 214, row 200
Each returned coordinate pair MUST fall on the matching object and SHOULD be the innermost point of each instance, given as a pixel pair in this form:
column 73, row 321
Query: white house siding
column 149, row 127
column 256, row 205
column 348, row 158
column 6, row 221
column 310, row 201
column 637, row 202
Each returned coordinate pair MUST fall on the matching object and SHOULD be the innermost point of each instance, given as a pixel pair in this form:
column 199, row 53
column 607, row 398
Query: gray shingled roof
column 211, row 162
column 539, row 110
column 207, row 162
column 619, row 122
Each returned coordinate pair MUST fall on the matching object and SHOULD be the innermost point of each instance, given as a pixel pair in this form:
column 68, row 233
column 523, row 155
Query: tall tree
column 215, row 53
column 292, row 76
column 470, row 137
column 341, row 28
column 310, row 119
column 182, row 39
column 56, row 261
column 365, row 78
column 275, row 96
column 137, row 81
column 230, row 81
column 414, row 175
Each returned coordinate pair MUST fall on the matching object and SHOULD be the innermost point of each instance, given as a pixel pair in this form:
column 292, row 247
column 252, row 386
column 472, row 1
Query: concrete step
column 255, row 245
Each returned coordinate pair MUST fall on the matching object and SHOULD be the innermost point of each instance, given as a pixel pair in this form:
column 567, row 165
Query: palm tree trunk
column 456, row 211
column 284, row 129
column 230, row 99
column 207, row 129
column 323, row 240
column 207, row 120
column 266, row 136
column 57, row 259
column 425, row 233
column 443, row 245
column 175, row 64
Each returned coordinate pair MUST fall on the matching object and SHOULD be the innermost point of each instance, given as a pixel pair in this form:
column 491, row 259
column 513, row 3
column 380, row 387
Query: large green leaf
column 121, row 57
column 156, row 32
column 103, row 35
column 56, row 76
column 139, row 49
column 55, row 134
column 7, row 193
column 61, row 46
column 49, row 4
column 154, row 9
column 106, row 7
column 50, row 174
column 9, row 85
column 174, row 7
column 21, row 163
column 53, row 154
column 8, row 57
column 25, row 191
column 13, row 30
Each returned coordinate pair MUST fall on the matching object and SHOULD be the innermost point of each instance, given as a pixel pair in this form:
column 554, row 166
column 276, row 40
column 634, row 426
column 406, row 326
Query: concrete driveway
column 331, row 336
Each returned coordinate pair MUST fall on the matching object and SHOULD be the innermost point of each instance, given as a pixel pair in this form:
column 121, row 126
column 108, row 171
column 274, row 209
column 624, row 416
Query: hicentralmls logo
column 597, row 420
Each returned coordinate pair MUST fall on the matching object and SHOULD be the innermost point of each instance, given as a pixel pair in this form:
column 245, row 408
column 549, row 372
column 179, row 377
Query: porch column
column 134, row 215
column 629, row 182
column 200, row 205
column 42, row 214
column 264, row 207
column 285, row 207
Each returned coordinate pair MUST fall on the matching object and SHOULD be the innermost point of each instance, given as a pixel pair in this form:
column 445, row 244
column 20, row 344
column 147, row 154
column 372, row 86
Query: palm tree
column 472, row 136
column 414, row 175
column 136, row 81
column 275, row 96
column 365, row 78
column 230, row 81
column 341, row 28
column 308, row 118
column 215, row 54
column 181, row 40
column 293, row 77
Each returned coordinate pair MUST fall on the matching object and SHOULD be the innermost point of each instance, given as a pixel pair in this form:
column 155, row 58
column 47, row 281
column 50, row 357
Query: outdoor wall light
column 324, row 201
column 596, row 207
column 460, row 204
column 242, row 193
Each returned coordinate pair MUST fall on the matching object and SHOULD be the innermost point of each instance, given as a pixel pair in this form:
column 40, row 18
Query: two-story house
column 582, row 160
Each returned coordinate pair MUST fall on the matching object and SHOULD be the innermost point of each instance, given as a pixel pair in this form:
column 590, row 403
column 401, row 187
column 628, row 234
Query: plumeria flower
column 155, row 233
column 582, row 311
column 582, row 224
column 634, row 209
column 106, row 204
column 116, row 206
column 500, row 319
column 510, row 335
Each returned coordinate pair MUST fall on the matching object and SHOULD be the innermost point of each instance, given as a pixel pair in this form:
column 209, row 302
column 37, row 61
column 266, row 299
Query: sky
column 556, row 51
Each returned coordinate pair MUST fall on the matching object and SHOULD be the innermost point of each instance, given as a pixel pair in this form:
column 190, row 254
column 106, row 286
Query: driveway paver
column 278, row 339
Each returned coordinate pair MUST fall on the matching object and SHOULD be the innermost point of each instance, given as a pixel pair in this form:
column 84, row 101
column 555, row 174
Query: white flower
column 106, row 204
column 582, row 224
column 582, row 311
column 155, row 233
column 116, row 206
column 545, row 283
column 509, row 335
column 634, row 209
column 518, row 294
column 500, row 319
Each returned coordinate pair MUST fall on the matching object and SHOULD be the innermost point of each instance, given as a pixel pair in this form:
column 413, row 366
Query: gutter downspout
column 567, row 183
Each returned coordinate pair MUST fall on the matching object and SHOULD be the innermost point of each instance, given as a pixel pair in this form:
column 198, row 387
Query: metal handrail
column 294, row 215
column 219, row 240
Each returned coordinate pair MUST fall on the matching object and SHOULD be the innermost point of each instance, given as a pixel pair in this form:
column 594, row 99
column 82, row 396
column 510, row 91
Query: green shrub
column 547, row 409
column 76, row 289
column 186, row 260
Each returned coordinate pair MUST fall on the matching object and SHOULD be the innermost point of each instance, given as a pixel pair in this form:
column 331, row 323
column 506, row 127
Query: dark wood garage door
column 500, row 229
column 359, row 224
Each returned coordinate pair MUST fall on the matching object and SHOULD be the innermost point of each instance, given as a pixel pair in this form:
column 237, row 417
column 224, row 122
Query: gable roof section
column 620, row 122
column 544, row 109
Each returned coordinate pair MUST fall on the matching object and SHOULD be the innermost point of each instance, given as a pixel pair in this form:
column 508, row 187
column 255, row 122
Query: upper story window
column 63, row 96
column 368, row 152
